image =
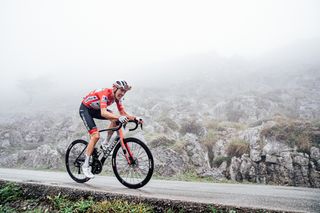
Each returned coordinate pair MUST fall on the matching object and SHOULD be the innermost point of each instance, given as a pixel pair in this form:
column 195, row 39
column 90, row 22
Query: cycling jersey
column 91, row 105
column 101, row 98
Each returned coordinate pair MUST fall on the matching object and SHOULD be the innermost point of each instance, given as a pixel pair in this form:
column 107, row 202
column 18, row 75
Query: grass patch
column 120, row 206
column 12, row 200
column 191, row 176
column 9, row 193
column 61, row 203
column 234, row 125
column 210, row 139
column 7, row 209
column 294, row 133
column 237, row 148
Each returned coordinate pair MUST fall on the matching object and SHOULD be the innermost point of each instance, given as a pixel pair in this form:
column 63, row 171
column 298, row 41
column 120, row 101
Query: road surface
column 295, row 199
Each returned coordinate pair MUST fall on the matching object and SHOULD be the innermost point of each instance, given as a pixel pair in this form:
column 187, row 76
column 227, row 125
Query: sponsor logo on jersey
column 90, row 98
column 104, row 99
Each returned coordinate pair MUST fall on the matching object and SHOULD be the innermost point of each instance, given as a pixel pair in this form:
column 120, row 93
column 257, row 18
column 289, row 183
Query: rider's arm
column 123, row 112
column 130, row 117
column 108, row 115
column 104, row 111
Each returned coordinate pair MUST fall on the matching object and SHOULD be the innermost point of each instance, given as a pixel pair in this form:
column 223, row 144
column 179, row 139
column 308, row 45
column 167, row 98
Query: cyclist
column 94, row 105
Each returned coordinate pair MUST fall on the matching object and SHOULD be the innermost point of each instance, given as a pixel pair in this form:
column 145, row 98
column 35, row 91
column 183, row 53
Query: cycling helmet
column 122, row 85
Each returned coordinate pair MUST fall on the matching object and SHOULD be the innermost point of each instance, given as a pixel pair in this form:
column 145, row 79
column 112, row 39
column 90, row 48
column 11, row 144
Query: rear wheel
column 138, row 173
column 75, row 157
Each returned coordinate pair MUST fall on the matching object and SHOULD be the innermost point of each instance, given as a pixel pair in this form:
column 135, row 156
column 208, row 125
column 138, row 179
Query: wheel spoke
column 138, row 153
column 75, row 158
column 136, row 172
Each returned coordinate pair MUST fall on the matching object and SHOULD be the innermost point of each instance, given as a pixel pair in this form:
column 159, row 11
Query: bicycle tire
column 118, row 156
column 70, row 162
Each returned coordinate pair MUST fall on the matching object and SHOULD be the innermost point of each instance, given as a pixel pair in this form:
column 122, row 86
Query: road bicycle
column 132, row 161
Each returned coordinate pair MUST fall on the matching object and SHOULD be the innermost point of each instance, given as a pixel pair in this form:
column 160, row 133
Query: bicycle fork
column 125, row 148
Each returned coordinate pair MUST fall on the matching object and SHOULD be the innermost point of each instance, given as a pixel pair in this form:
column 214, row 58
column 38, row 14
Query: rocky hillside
column 279, row 150
column 245, row 122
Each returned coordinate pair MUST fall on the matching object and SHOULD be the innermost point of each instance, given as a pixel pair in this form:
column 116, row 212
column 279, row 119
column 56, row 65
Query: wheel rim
column 75, row 160
column 138, row 171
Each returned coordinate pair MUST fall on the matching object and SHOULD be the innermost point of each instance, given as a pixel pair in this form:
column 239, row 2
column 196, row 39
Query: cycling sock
column 105, row 142
column 86, row 161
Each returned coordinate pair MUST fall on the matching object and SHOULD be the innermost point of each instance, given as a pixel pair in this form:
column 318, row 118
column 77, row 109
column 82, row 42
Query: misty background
column 54, row 53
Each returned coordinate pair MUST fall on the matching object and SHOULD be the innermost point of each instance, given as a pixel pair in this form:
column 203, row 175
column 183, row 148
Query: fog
column 57, row 51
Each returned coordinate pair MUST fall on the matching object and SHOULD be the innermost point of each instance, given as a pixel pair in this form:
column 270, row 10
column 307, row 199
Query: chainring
column 96, row 166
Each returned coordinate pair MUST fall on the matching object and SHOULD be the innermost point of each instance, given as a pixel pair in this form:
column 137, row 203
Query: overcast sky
column 83, row 41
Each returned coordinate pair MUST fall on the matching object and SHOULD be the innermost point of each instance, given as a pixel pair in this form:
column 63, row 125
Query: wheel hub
column 135, row 163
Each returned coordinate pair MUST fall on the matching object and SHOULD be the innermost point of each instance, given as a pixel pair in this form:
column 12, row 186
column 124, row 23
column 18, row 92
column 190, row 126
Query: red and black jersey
column 101, row 98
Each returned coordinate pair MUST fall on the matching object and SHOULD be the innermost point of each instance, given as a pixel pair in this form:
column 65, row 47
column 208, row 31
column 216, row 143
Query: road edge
column 40, row 190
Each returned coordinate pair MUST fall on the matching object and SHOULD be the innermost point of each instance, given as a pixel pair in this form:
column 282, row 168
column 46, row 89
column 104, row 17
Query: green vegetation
column 10, row 193
column 13, row 199
column 64, row 205
column 120, row 206
column 191, row 176
column 7, row 209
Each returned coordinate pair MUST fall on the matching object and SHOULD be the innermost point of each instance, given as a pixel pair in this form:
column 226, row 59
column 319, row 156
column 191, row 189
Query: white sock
column 86, row 161
column 105, row 142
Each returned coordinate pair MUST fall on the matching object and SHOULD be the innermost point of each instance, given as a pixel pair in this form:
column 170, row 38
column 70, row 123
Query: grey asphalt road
column 295, row 199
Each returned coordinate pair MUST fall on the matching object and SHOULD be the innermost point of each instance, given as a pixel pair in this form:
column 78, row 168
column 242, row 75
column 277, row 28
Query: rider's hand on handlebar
column 123, row 119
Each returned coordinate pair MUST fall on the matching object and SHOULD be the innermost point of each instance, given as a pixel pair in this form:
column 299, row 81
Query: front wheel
column 138, row 173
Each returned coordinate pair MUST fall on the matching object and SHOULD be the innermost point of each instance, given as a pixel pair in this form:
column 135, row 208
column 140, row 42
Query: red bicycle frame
column 125, row 148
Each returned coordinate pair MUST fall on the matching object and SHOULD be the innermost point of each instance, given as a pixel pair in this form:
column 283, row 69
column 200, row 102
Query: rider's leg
column 110, row 133
column 86, row 115
column 85, row 167
column 94, row 137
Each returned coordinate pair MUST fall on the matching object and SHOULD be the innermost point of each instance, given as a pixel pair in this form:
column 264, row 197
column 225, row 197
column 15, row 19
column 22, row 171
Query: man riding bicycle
column 94, row 105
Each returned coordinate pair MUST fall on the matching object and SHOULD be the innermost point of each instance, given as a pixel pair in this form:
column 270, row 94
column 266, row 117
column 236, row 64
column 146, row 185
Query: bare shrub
column 161, row 141
column 237, row 148
column 169, row 123
column 303, row 143
column 192, row 127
